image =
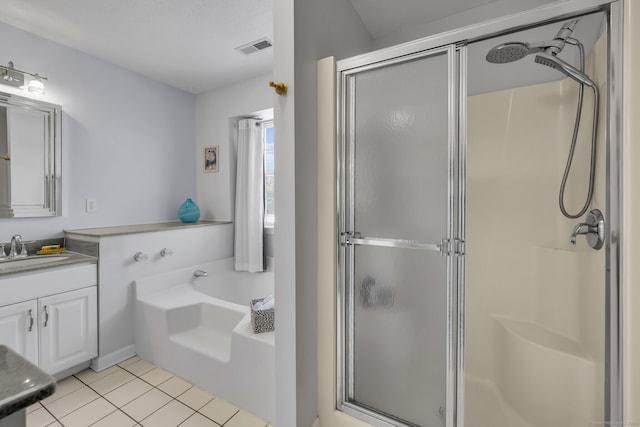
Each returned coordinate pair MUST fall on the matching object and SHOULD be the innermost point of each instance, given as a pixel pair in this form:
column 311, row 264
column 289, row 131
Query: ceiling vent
column 255, row 46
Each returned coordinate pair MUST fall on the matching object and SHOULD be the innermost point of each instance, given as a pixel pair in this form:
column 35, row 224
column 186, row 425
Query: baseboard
column 103, row 362
column 74, row 370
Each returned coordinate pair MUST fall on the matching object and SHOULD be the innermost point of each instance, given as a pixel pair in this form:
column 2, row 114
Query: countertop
column 21, row 265
column 21, row 382
column 140, row 228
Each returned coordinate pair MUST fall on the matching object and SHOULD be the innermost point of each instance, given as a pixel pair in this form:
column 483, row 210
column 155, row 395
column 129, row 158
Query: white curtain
column 249, row 198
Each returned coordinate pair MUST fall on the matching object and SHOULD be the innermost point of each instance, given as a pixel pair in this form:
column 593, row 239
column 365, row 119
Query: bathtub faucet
column 200, row 273
column 593, row 229
column 582, row 228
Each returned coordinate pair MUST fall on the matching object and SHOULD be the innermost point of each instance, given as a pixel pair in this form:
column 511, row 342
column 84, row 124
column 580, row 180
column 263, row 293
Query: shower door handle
column 446, row 247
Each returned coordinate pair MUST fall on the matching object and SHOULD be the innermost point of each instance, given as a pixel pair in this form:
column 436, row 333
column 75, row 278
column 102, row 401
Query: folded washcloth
column 265, row 303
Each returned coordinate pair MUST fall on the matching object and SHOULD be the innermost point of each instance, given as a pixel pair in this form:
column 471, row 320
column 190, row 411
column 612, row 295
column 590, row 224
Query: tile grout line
column 100, row 395
column 79, row 407
column 105, row 415
column 54, row 417
column 152, row 387
column 139, row 376
column 234, row 414
column 172, row 397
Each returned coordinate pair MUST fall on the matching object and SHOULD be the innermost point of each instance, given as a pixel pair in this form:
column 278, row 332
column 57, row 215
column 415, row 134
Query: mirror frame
column 52, row 205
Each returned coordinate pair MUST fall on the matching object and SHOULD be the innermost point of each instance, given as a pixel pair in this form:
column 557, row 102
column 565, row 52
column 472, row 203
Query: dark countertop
column 140, row 228
column 21, row 382
column 22, row 265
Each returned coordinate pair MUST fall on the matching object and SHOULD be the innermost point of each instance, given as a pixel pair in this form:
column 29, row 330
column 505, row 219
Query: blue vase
column 189, row 211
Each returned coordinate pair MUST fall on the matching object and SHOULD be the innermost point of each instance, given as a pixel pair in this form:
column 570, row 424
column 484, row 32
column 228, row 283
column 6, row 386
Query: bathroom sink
column 31, row 261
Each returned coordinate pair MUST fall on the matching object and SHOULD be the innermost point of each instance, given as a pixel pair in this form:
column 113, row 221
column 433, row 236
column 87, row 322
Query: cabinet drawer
column 23, row 287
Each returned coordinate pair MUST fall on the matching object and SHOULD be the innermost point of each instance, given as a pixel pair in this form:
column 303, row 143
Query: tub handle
column 140, row 257
column 166, row 252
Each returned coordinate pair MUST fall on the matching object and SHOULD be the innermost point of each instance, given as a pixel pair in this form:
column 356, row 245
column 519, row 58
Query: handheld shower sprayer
column 551, row 60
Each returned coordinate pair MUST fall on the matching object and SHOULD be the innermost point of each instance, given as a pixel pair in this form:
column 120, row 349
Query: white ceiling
column 190, row 44
column 384, row 17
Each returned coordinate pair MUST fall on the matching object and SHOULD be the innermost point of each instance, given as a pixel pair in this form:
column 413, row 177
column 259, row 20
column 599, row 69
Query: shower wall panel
column 528, row 290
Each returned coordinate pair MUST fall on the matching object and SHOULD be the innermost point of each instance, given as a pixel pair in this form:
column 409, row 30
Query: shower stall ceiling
column 486, row 77
column 535, row 304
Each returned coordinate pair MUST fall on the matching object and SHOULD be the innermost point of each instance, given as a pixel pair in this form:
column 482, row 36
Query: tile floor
column 135, row 393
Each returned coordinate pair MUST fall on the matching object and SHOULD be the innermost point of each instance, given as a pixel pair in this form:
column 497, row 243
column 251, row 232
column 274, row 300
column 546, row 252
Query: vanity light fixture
column 36, row 86
column 16, row 78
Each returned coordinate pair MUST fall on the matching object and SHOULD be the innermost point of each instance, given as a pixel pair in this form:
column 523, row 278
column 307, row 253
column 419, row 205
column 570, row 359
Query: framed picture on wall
column 211, row 159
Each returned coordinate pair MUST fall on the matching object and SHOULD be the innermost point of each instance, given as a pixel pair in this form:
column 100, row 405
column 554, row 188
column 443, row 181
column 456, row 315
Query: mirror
column 30, row 159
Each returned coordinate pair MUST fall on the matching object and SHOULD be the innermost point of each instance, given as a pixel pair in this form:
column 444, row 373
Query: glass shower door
column 401, row 245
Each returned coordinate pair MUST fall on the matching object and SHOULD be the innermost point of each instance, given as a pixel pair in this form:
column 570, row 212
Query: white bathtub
column 199, row 329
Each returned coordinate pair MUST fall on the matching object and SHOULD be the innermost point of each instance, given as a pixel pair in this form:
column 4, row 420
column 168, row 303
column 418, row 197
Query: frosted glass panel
column 401, row 150
column 400, row 311
column 397, row 180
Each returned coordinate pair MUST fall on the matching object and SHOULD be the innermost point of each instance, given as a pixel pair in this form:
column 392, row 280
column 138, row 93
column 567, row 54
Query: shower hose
column 574, row 140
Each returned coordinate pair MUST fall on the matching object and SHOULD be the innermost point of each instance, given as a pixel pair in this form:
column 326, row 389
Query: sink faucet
column 16, row 242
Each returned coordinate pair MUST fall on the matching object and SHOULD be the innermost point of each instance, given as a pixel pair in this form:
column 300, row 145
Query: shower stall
column 477, row 213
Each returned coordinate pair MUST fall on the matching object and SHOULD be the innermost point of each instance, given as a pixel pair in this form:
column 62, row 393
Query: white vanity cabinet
column 19, row 329
column 55, row 323
column 68, row 328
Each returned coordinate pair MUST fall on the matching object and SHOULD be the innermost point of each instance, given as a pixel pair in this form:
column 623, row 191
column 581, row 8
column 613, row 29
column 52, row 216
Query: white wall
column 631, row 198
column 127, row 141
column 215, row 191
column 304, row 31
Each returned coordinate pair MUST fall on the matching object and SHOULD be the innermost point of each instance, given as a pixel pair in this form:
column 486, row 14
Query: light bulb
column 36, row 86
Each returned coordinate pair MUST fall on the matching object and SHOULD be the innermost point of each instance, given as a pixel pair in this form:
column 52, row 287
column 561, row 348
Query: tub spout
column 593, row 230
column 581, row 228
column 200, row 273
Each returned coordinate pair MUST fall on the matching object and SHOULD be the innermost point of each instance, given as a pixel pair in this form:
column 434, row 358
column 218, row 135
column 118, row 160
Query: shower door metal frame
column 614, row 411
column 451, row 246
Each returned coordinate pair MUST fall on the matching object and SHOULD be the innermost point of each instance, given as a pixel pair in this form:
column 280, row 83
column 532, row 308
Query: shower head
column 513, row 51
column 553, row 61
column 508, row 52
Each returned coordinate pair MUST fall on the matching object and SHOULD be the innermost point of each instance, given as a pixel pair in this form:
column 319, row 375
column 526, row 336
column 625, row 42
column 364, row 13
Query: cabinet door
column 68, row 329
column 19, row 329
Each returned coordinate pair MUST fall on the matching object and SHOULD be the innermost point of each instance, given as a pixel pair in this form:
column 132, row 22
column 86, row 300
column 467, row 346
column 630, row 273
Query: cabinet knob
column 140, row 257
column 166, row 252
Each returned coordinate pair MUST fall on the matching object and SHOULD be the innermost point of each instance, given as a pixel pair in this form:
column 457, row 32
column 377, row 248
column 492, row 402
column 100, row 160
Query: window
column 269, row 178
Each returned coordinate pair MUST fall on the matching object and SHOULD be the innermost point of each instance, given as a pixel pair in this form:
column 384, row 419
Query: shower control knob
column 140, row 257
column 166, row 252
